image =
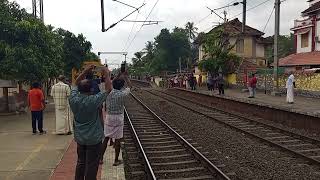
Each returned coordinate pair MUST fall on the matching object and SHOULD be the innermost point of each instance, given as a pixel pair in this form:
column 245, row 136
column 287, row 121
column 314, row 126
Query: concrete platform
column 26, row 156
column 303, row 105
column 303, row 114
column 110, row 172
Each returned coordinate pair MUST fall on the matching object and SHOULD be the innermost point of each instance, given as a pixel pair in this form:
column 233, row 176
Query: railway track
column 164, row 152
column 301, row 146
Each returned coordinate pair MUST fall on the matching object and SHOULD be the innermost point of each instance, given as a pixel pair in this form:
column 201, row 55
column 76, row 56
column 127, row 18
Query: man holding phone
column 88, row 131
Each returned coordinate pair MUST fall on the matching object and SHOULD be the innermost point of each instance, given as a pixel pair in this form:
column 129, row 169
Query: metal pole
column 34, row 8
column 225, row 16
column 276, row 48
column 244, row 17
column 41, row 11
column 102, row 16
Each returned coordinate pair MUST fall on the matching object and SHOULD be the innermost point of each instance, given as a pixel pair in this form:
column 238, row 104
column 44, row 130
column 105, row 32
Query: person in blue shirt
column 88, row 131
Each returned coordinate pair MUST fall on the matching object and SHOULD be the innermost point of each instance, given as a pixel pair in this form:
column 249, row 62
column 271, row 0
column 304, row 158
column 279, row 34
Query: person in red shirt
column 36, row 104
column 252, row 86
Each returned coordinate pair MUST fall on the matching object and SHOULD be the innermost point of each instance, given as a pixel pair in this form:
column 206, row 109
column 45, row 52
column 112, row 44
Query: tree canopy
column 164, row 53
column 219, row 58
column 286, row 47
column 31, row 51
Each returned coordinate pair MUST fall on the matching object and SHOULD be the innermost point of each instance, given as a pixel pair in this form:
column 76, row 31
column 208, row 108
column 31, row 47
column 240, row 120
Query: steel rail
column 211, row 167
column 148, row 168
column 313, row 140
column 310, row 159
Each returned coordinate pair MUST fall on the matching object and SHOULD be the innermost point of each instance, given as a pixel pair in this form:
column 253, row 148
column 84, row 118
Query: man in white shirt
column 60, row 93
column 291, row 84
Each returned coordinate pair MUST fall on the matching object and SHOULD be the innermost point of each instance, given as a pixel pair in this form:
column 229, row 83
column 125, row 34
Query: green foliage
column 163, row 54
column 286, row 47
column 219, row 57
column 31, row 51
column 191, row 30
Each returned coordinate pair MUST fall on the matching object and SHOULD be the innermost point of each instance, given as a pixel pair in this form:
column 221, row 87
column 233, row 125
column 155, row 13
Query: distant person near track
column 291, row 84
column 113, row 127
column 252, row 86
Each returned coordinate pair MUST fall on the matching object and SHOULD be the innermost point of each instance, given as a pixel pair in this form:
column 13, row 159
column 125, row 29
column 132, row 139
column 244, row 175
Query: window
column 240, row 46
column 305, row 40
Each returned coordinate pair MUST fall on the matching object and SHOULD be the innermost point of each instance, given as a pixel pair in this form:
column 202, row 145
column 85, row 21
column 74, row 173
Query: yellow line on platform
column 28, row 159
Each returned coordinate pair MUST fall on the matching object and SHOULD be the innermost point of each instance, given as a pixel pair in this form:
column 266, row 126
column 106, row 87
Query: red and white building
column 307, row 40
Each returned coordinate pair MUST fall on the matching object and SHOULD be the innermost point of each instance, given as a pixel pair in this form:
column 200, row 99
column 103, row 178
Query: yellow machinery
column 75, row 72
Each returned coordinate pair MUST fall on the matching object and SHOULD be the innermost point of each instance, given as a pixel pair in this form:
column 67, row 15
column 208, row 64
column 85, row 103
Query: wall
column 260, row 50
column 232, row 79
column 307, row 85
column 201, row 52
column 306, row 49
column 318, row 33
column 248, row 47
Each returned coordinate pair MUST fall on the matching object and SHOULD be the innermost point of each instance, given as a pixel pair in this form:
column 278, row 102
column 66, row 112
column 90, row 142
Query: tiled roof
column 234, row 27
column 314, row 7
column 309, row 58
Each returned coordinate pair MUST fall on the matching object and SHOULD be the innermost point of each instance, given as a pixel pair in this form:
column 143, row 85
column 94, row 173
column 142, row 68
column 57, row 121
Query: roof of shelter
column 309, row 58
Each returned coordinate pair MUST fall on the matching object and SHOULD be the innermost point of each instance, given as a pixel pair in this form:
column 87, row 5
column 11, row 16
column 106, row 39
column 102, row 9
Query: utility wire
column 142, row 25
column 132, row 29
column 203, row 19
column 268, row 19
column 252, row 8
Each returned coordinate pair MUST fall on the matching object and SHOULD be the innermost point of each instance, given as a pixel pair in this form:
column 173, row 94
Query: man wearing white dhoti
column 60, row 93
column 290, row 89
column 113, row 127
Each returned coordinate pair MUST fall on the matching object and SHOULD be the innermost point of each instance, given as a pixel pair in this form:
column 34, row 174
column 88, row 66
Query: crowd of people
column 93, row 112
column 189, row 81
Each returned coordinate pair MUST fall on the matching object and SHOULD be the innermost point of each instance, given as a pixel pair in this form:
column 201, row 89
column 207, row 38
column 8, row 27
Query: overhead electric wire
column 252, row 8
column 132, row 29
column 142, row 25
column 268, row 19
column 201, row 20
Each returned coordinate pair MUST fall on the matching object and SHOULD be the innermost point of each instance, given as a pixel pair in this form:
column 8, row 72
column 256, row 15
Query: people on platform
column 115, row 116
column 88, row 131
column 176, row 81
column 291, row 84
column 220, row 83
column 192, row 82
column 36, row 103
column 210, row 83
column 186, row 82
column 200, row 80
column 60, row 93
column 252, row 86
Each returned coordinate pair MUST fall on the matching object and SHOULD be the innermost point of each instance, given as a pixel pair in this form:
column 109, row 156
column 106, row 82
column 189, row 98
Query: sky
column 84, row 16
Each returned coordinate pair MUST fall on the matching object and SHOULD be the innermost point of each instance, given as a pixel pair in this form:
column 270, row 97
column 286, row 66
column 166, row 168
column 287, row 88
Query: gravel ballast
column 247, row 157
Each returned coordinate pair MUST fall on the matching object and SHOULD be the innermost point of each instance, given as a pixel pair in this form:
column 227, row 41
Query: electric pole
column 225, row 16
column 244, row 16
column 37, row 9
column 276, row 48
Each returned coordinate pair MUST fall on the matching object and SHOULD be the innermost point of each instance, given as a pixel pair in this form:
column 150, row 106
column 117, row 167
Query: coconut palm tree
column 149, row 47
column 191, row 30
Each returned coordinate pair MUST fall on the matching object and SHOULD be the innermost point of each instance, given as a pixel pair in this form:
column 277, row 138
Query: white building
column 307, row 40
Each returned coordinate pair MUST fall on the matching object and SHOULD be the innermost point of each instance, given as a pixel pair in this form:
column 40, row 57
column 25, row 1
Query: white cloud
column 83, row 16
